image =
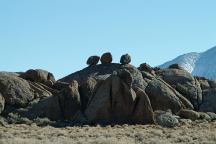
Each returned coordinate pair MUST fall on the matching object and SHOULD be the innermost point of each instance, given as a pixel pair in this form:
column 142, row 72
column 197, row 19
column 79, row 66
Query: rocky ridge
column 108, row 93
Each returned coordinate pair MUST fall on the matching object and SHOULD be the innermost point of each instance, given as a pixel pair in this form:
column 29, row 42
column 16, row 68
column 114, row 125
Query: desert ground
column 189, row 132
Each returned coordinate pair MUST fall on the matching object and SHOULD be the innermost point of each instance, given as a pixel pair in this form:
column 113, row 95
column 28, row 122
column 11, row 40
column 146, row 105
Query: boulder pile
column 109, row 93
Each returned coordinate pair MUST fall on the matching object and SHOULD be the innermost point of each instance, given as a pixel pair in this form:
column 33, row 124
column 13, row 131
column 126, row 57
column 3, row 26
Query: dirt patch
column 196, row 132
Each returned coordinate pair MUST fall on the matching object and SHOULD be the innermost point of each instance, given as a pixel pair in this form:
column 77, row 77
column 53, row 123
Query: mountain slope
column 199, row 64
column 187, row 61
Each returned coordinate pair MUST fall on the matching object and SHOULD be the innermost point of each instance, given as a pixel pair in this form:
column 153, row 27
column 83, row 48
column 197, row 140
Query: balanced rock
column 125, row 59
column 93, row 60
column 106, row 58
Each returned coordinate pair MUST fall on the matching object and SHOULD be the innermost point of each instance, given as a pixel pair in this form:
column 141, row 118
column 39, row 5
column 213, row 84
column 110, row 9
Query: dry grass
column 197, row 132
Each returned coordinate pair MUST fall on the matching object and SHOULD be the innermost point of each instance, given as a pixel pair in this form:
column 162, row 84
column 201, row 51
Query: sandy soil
column 193, row 133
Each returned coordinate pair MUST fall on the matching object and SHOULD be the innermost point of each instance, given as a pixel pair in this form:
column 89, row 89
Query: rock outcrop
column 106, row 58
column 93, row 60
column 109, row 93
column 184, row 83
column 39, row 75
column 16, row 91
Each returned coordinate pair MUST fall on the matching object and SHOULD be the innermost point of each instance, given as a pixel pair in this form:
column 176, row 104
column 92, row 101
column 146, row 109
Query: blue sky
column 59, row 35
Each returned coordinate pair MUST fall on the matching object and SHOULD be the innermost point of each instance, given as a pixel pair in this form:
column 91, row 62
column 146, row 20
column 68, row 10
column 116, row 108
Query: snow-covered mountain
column 199, row 64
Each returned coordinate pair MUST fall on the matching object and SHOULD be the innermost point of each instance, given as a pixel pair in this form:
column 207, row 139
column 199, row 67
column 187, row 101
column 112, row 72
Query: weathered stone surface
column 176, row 66
column 125, row 75
column 15, row 90
column 204, row 116
column 60, row 85
column 212, row 83
column 136, row 76
column 40, row 90
column 62, row 106
column 116, row 102
column 106, row 58
column 110, row 93
column 112, row 101
column 39, row 75
column 184, row 83
column 147, row 68
column 189, row 114
column 147, row 75
column 87, row 91
column 69, row 100
column 93, row 60
column 204, row 84
column 212, row 115
column 143, row 112
column 2, row 103
column 125, row 59
column 48, row 107
column 165, row 119
column 102, row 72
column 209, row 101
column 162, row 97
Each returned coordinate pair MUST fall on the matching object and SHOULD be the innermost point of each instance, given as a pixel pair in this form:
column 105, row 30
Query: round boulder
column 189, row 114
column 165, row 119
column 106, row 58
column 93, row 60
column 125, row 59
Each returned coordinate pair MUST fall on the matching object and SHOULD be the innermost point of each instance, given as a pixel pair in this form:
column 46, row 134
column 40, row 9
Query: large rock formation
column 109, row 93
column 131, row 88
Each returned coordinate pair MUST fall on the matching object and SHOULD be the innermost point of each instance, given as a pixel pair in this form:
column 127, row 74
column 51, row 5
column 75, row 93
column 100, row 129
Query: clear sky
column 59, row 35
